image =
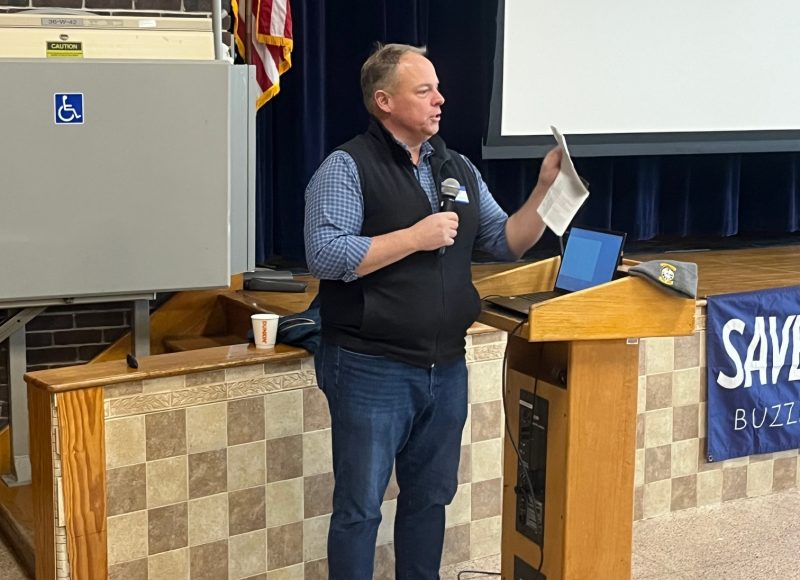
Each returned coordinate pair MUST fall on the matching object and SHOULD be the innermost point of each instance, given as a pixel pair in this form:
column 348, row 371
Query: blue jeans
column 384, row 411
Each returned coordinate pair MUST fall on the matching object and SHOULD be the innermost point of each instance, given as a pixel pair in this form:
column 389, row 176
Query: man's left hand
column 551, row 165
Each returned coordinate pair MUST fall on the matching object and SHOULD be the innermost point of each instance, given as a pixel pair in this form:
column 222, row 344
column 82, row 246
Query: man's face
column 413, row 102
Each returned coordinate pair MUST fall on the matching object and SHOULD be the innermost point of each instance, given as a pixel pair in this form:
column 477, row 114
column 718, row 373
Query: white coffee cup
column 265, row 329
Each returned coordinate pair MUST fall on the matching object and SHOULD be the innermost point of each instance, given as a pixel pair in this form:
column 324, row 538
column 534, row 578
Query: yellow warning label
column 61, row 49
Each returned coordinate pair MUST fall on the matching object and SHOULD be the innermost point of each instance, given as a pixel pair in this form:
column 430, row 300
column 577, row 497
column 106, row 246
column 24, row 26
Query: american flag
column 267, row 29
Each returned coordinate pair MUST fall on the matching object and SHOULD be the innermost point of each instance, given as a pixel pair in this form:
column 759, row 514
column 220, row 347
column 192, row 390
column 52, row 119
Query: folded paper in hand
column 567, row 194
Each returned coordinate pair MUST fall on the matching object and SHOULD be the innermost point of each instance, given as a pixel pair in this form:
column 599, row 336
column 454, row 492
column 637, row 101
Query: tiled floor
column 471, row 570
column 9, row 567
column 752, row 539
column 748, row 539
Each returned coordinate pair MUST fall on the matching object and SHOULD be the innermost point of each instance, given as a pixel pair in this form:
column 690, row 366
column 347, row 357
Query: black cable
column 481, row 572
column 533, row 412
column 490, row 296
column 529, row 493
column 505, row 407
column 528, row 489
column 508, row 430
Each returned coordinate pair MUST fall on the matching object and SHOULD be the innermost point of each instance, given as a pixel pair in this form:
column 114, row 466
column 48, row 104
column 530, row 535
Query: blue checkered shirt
column 335, row 214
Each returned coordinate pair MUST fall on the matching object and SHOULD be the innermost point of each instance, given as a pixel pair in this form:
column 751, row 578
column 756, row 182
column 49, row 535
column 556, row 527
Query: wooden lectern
column 570, row 401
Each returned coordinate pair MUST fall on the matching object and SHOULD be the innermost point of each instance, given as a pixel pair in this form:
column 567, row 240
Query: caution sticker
column 64, row 49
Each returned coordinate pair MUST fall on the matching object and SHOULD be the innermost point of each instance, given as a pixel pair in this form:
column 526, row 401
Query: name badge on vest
column 462, row 195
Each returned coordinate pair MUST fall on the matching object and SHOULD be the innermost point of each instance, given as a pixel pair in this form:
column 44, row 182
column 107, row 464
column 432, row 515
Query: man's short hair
column 379, row 69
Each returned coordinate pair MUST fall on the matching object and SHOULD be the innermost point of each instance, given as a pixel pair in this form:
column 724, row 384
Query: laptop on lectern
column 590, row 258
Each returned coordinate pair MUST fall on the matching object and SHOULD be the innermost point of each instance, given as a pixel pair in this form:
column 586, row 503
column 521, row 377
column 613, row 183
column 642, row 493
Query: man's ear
column 383, row 101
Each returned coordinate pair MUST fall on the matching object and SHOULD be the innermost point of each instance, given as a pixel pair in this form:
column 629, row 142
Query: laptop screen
column 590, row 258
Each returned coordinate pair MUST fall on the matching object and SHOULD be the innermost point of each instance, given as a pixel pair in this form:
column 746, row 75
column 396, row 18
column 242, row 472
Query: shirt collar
column 425, row 150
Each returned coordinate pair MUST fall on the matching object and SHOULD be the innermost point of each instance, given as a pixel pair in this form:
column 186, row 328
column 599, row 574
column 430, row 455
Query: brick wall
column 130, row 8
column 69, row 335
column 64, row 336
column 120, row 7
column 113, row 6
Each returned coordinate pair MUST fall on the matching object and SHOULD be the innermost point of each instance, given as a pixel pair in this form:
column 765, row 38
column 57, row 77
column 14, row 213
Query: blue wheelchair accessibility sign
column 69, row 108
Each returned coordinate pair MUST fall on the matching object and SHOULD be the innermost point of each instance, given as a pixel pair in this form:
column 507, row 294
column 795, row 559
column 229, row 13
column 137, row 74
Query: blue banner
column 753, row 356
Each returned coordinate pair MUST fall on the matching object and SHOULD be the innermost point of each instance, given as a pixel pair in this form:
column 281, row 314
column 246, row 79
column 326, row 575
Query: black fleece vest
column 418, row 309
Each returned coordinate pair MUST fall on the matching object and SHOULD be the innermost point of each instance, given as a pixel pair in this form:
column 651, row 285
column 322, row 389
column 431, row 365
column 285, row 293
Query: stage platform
column 744, row 270
column 720, row 271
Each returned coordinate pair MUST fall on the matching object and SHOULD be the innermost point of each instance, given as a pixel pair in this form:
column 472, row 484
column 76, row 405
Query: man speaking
column 396, row 302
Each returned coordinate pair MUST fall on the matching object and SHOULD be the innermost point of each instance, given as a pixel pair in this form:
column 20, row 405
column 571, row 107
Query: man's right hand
column 435, row 231
column 428, row 234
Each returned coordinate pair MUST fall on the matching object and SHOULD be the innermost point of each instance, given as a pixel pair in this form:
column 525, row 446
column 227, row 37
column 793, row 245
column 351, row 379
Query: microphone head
column 450, row 187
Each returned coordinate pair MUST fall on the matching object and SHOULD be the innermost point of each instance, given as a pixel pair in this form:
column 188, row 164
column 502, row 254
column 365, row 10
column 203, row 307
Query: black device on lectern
column 590, row 258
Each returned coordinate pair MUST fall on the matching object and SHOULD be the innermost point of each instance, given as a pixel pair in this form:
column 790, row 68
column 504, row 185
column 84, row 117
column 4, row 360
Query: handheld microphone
column 449, row 188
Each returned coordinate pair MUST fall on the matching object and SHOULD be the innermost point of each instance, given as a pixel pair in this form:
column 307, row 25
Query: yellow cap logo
column 667, row 274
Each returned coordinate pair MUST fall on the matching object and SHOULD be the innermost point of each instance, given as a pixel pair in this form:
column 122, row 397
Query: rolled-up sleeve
column 333, row 219
column 492, row 228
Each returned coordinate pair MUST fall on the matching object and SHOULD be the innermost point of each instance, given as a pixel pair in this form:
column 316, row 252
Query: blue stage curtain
column 319, row 107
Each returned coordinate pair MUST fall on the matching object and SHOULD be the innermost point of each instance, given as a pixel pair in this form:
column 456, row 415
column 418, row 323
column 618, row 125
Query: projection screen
column 630, row 77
